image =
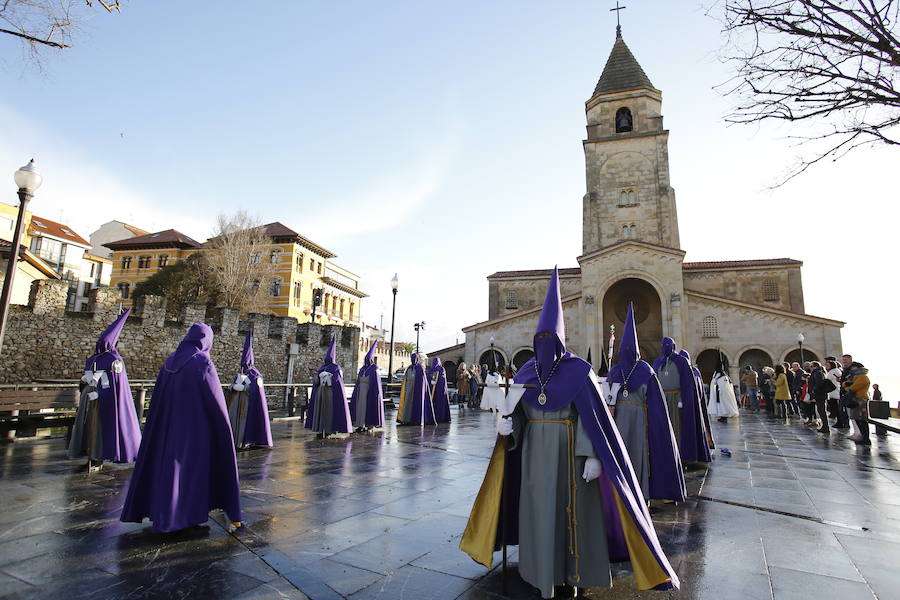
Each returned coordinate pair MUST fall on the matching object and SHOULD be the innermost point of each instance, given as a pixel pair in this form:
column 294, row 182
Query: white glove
column 505, row 426
column 591, row 469
column 93, row 395
column 88, row 377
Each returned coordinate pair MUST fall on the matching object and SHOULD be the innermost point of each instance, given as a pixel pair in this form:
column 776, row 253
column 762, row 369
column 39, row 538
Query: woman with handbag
column 856, row 400
column 782, row 392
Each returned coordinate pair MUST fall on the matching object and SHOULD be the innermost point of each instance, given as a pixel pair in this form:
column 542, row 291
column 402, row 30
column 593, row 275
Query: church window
column 624, row 120
column 124, row 289
column 624, row 232
column 512, row 300
column 627, row 197
column 710, row 327
column 632, row 232
column 770, row 291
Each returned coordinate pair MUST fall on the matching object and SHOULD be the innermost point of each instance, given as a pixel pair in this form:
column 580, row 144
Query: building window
column 255, row 259
column 124, row 289
column 710, row 327
column 143, row 262
column 770, row 291
column 255, row 285
column 300, row 262
column 163, row 260
column 632, row 231
column 627, row 197
column 624, row 121
column 319, row 269
column 298, row 291
column 342, row 307
column 275, row 257
column 276, row 288
column 126, row 263
column 512, row 300
column 352, row 310
column 312, row 265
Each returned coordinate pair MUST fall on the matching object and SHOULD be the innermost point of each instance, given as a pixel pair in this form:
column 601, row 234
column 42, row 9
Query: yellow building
column 137, row 258
column 302, row 268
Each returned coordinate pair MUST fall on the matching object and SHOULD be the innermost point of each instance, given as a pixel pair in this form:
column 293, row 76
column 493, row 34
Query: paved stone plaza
column 789, row 515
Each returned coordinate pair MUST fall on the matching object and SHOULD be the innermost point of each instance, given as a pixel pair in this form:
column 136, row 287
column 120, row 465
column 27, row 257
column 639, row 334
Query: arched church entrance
column 707, row 361
column 522, row 357
column 647, row 315
column 794, row 356
column 486, row 359
column 756, row 358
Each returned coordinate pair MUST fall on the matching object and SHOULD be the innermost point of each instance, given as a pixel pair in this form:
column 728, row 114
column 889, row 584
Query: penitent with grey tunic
column 553, row 550
column 362, row 400
column 670, row 380
column 631, row 421
column 409, row 389
column 323, row 407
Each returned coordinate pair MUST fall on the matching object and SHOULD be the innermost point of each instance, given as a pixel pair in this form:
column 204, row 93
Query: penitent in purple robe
column 438, row 392
column 367, row 402
column 328, row 411
column 187, row 465
column 415, row 402
column 247, row 407
column 106, row 426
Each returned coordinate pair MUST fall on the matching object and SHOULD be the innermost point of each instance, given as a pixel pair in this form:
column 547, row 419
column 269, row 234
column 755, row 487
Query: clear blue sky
column 438, row 140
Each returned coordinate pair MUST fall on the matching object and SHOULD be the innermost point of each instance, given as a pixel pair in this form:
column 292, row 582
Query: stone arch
column 755, row 357
column 484, row 358
column 706, row 362
column 661, row 291
column 624, row 120
column 522, row 356
column 648, row 311
column 793, row 356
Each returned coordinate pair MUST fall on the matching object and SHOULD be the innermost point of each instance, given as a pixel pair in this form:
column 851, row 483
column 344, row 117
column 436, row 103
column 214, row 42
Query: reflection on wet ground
column 789, row 515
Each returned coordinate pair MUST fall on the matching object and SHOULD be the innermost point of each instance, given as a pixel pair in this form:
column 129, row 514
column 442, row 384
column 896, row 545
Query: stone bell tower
column 627, row 159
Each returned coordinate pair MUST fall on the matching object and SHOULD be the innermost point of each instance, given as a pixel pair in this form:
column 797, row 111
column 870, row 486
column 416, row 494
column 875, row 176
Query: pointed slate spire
column 110, row 336
column 247, row 359
column 622, row 71
column 332, row 351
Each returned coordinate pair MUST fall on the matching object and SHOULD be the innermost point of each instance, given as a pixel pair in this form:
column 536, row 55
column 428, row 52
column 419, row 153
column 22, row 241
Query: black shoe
column 823, row 430
column 864, row 442
column 842, row 426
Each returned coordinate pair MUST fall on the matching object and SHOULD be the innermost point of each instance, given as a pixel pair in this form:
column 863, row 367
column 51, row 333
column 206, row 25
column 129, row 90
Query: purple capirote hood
column 413, row 359
column 436, row 364
column 331, row 354
column 629, row 351
column 198, row 340
column 369, row 360
column 668, row 346
column 247, row 360
column 550, row 333
column 110, row 336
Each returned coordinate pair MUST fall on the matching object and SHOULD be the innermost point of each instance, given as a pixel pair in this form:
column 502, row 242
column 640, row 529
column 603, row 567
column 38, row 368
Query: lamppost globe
column 395, row 283
column 27, row 178
column 801, row 338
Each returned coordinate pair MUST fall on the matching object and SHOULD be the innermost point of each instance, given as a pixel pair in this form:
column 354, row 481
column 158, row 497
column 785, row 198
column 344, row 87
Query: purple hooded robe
column 248, row 393
column 440, row 396
column 415, row 402
column 187, row 465
column 693, row 444
column 119, row 432
column 368, row 411
column 666, row 473
column 328, row 411
column 627, row 530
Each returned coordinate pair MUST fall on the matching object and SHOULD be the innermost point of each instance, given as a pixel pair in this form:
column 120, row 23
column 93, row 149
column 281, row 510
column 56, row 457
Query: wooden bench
column 882, row 426
column 16, row 408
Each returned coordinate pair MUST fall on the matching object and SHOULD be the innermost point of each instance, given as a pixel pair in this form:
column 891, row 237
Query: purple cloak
column 666, row 473
column 421, row 411
column 186, row 466
column 374, row 399
column 119, row 427
column 693, row 444
column 257, row 431
column 440, row 396
column 340, row 411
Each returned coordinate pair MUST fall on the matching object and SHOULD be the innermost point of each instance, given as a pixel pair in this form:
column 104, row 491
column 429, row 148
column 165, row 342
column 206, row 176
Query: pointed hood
column 369, row 360
column 247, row 354
column 629, row 351
column 413, row 359
column 668, row 347
column 436, row 364
column 110, row 336
column 332, row 351
column 198, row 340
column 550, row 334
column 603, row 369
column 589, row 357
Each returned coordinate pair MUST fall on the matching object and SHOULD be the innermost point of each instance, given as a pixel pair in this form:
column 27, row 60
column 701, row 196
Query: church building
column 751, row 311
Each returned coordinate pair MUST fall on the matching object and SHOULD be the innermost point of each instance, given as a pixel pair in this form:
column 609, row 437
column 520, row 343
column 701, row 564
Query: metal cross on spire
column 618, row 22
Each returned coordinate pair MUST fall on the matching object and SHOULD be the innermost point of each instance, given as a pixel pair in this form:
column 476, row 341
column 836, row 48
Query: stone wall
column 43, row 341
column 749, row 285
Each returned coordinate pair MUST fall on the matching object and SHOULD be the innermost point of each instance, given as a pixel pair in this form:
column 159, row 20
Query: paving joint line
column 782, row 513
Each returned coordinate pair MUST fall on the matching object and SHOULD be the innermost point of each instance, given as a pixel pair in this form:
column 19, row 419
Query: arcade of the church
column 749, row 310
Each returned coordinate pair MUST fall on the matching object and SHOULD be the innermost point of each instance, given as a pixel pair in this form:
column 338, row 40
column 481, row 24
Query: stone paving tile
column 789, row 584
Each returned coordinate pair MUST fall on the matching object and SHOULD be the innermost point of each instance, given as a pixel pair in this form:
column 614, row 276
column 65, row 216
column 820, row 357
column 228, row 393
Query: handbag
column 848, row 400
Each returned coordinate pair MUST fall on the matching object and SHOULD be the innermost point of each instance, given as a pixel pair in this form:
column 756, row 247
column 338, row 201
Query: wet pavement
column 789, row 515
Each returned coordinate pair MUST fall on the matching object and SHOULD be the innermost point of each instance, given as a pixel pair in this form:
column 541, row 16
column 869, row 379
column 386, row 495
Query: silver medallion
column 624, row 393
column 542, row 398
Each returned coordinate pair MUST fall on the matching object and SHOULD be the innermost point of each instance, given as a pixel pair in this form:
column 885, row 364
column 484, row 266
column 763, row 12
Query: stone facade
column 44, row 341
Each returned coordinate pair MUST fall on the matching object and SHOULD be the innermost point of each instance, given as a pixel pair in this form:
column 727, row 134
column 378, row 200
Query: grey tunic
column 670, row 379
column 87, row 437
column 321, row 420
column 409, row 379
column 237, row 414
column 631, row 420
column 362, row 399
column 545, row 539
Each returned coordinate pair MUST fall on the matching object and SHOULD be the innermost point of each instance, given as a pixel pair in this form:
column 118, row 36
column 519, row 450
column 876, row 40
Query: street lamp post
column 28, row 180
column 418, row 327
column 800, row 339
column 395, row 285
column 493, row 356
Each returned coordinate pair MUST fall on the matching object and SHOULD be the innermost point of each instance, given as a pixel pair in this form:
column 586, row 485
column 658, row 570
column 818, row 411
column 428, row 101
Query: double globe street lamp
column 395, row 285
column 28, row 180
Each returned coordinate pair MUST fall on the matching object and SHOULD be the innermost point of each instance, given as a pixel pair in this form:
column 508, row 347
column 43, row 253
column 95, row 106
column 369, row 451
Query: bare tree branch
column 831, row 63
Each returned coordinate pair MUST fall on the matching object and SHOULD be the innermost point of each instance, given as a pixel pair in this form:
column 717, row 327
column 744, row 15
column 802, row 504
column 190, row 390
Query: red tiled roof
column 536, row 273
column 162, row 239
column 731, row 264
column 41, row 226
